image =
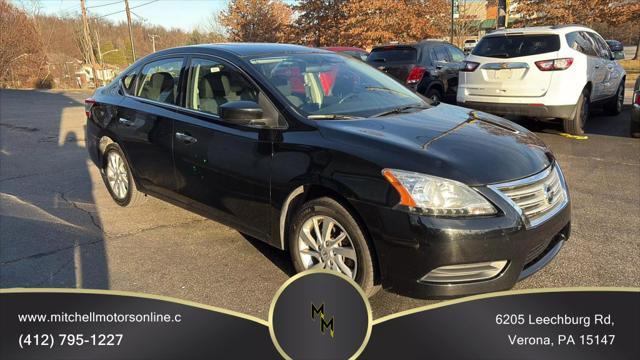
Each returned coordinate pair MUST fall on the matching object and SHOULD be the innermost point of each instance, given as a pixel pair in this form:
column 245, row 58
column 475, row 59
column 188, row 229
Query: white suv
column 543, row 72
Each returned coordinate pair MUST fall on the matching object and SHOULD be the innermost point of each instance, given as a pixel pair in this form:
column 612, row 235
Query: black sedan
column 336, row 162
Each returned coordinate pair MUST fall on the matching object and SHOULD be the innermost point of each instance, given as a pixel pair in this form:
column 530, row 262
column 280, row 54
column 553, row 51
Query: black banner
column 320, row 315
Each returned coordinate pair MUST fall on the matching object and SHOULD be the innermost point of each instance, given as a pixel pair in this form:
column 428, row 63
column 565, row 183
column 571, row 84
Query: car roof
column 556, row 29
column 414, row 44
column 247, row 49
column 343, row 48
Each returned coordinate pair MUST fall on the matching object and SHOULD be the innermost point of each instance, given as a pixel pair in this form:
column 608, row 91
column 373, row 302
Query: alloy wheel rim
column 323, row 243
column 117, row 176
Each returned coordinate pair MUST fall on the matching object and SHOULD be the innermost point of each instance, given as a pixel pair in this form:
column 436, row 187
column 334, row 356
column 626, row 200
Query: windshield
column 330, row 84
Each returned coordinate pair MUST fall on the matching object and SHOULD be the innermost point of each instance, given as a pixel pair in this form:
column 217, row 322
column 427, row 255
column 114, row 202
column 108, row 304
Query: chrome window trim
column 527, row 181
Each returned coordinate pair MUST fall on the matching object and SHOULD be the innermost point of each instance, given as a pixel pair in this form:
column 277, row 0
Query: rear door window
column 129, row 81
column 393, row 54
column 601, row 47
column 159, row 80
column 440, row 54
column 580, row 41
column 455, row 54
column 501, row 46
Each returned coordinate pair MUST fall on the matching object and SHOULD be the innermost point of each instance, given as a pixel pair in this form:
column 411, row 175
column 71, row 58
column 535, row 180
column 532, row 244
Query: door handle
column 186, row 138
column 125, row 122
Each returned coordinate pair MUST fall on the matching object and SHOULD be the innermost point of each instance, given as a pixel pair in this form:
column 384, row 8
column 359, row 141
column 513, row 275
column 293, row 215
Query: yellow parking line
column 568, row 136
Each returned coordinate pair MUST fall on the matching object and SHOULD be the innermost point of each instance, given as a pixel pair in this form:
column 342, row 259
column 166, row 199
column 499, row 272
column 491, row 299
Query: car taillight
column 469, row 66
column 554, row 64
column 415, row 75
column 636, row 99
column 88, row 103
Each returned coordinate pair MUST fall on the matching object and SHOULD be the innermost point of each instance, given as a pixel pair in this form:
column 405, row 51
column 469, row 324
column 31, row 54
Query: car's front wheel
column 324, row 235
column 116, row 175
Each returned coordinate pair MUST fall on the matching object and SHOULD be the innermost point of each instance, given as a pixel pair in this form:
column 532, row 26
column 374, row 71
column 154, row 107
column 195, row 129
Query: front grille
column 538, row 197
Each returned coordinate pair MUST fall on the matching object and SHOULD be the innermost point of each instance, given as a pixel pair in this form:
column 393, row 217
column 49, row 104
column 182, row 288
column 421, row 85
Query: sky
column 183, row 14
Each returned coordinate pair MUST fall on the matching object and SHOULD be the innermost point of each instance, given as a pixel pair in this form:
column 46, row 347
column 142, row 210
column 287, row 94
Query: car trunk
column 507, row 65
column 396, row 61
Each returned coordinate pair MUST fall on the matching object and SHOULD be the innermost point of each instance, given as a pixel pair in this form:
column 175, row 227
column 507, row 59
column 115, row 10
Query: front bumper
column 535, row 110
column 409, row 246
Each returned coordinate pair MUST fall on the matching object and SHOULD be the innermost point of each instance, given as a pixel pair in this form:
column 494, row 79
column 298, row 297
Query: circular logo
column 320, row 314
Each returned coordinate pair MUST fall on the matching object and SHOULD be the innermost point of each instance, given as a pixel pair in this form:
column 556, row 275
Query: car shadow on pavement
column 278, row 257
column 50, row 230
column 599, row 123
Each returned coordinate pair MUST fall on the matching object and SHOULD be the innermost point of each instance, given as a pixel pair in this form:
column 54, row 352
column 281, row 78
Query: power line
column 147, row 3
column 109, row 14
column 121, row 11
column 101, row 5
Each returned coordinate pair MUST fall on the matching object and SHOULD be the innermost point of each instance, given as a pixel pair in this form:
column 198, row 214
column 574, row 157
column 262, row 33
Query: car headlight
column 437, row 196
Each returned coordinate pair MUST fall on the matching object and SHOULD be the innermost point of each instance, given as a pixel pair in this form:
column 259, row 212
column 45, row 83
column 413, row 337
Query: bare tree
column 21, row 55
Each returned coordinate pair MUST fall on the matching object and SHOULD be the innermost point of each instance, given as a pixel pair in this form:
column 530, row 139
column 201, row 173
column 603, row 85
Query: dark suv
column 429, row 67
column 336, row 162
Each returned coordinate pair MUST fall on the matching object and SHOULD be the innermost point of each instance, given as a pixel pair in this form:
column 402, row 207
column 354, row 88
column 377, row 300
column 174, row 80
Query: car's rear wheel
column 614, row 106
column 324, row 235
column 634, row 130
column 575, row 124
column 116, row 175
column 434, row 94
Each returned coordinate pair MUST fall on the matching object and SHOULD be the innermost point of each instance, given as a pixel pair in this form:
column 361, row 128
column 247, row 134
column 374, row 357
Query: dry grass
column 630, row 65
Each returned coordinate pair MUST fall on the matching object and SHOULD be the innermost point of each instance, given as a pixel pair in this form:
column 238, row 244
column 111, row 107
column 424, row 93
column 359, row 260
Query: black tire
column 614, row 106
column 575, row 125
column 634, row 129
column 328, row 207
column 132, row 197
column 434, row 94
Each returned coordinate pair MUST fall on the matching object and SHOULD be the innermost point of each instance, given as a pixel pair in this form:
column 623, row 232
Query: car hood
column 469, row 146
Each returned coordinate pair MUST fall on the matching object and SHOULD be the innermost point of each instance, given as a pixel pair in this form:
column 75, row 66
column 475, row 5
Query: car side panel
column 226, row 171
column 144, row 130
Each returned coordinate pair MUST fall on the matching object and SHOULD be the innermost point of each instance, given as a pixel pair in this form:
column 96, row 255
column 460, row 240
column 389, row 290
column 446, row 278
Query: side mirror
column 240, row 112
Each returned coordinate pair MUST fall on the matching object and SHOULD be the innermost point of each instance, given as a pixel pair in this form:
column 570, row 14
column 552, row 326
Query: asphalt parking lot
column 60, row 228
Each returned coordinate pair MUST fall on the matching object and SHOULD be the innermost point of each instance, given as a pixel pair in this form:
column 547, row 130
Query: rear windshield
column 511, row 46
column 393, row 54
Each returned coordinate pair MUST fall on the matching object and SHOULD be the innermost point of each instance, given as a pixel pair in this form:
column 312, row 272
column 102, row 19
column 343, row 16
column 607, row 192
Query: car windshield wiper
column 332, row 117
column 401, row 109
column 380, row 88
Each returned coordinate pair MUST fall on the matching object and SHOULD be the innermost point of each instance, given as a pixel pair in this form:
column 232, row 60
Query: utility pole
column 502, row 14
column 98, row 45
column 89, row 46
column 133, row 49
column 452, row 7
column 153, row 41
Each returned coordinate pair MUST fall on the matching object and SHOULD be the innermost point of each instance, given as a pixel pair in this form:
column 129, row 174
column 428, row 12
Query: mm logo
column 324, row 324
